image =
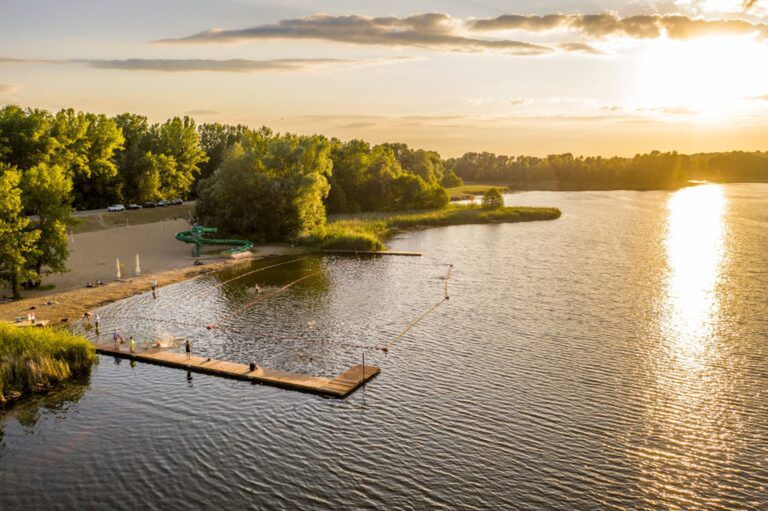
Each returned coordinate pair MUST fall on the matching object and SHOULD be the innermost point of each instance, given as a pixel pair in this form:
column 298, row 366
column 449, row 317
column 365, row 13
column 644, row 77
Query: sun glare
column 709, row 79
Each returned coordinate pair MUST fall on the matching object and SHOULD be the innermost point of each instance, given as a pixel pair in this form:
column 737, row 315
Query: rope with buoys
column 246, row 306
column 206, row 291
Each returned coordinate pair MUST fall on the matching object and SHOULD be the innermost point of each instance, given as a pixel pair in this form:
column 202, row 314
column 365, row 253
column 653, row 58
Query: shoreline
column 70, row 306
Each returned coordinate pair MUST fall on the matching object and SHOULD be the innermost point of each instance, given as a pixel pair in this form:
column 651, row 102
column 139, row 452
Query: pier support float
column 339, row 387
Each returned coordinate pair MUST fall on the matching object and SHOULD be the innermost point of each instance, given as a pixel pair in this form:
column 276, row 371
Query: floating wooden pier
column 339, row 387
column 373, row 252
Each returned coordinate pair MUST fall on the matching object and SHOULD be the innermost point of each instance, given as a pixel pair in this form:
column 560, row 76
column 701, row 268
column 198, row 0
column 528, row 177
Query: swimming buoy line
column 253, row 302
column 384, row 348
column 204, row 292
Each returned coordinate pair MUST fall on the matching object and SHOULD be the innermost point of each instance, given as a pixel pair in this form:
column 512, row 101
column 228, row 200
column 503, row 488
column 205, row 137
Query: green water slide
column 195, row 236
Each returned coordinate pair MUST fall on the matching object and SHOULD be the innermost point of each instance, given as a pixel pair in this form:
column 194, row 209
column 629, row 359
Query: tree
column 451, row 180
column 25, row 136
column 17, row 242
column 178, row 139
column 47, row 195
column 492, row 199
column 84, row 147
column 269, row 192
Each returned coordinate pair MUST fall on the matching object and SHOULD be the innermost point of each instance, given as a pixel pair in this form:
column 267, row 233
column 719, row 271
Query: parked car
column 134, row 206
column 116, row 207
column 163, row 203
column 177, row 202
column 149, row 204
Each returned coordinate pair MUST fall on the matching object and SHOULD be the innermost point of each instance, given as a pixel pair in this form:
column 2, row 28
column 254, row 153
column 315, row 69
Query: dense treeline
column 261, row 184
column 252, row 182
column 655, row 170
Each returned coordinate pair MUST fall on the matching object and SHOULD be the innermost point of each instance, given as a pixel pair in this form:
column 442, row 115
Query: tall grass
column 368, row 231
column 36, row 359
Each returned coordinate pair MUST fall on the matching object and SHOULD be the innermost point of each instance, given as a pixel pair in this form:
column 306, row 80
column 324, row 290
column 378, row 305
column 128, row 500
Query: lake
column 616, row 358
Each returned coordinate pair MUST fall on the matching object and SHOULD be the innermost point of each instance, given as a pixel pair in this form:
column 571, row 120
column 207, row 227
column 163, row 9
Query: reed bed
column 36, row 359
column 368, row 231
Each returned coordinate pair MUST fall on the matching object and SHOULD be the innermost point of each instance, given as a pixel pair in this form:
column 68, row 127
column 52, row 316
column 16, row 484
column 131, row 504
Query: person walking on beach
column 188, row 349
column 132, row 345
column 154, row 288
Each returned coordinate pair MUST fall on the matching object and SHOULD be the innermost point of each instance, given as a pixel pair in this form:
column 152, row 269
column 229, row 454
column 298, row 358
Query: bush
column 36, row 359
column 492, row 199
column 451, row 180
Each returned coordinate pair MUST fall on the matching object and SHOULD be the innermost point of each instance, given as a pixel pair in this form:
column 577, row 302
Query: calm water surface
column 616, row 358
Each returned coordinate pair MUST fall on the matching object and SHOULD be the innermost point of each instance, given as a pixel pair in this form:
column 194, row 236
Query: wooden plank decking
column 340, row 387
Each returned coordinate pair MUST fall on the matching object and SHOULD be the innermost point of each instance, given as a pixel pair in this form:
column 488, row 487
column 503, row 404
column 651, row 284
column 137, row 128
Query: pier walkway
column 339, row 387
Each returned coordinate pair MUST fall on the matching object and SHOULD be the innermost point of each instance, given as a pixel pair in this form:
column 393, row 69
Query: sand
column 93, row 257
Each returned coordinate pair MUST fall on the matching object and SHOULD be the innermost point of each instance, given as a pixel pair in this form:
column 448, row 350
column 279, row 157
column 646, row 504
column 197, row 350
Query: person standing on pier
column 96, row 322
column 154, row 288
column 116, row 338
column 133, row 345
column 188, row 349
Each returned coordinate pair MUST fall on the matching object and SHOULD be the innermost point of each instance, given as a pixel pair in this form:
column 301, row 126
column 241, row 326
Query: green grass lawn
column 35, row 359
column 368, row 231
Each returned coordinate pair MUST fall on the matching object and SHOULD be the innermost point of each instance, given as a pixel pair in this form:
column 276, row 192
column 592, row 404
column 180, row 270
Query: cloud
column 599, row 26
column 442, row 32
column 8, row 88
column 202, row 112
column 436, row 31
column 210, row 65
column 231, row 65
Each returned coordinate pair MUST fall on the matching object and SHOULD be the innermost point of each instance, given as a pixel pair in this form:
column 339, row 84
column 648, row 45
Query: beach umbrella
column 119, row 275
column 138, row 266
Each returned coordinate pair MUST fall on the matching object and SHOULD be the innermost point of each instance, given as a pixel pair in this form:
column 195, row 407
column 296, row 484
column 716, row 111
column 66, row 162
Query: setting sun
column 292, row 254
column 710, row 79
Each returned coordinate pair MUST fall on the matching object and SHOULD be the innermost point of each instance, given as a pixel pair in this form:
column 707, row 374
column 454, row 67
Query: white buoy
column 138, row 266
column 119, row 275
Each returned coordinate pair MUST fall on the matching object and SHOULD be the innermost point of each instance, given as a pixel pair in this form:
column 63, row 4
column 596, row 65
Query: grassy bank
column 368, row 232
column 36, row 359
column 468, row 191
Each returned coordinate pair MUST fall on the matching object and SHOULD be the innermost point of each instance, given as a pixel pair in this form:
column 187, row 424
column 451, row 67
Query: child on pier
column 188, row 349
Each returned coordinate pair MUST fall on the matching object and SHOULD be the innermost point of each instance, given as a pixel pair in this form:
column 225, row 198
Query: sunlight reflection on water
column 694, row 246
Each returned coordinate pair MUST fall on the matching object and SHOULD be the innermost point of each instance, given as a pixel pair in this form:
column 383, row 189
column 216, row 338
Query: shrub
column 35, row 359
column 492, row 199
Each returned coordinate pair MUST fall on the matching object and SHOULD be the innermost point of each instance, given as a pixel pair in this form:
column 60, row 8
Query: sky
column 602, row 77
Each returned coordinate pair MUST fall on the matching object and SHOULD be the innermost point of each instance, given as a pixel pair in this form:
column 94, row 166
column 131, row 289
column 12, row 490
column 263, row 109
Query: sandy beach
column 94, row 257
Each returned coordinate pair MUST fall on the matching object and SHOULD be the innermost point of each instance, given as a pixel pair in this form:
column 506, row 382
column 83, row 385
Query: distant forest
column 652, row 171
column 125, row 159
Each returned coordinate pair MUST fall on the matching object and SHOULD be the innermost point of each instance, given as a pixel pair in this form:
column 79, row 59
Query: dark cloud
column 597, row 26
column 429, row 30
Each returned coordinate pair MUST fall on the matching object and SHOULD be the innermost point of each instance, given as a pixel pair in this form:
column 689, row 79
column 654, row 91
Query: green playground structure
column 195, row 235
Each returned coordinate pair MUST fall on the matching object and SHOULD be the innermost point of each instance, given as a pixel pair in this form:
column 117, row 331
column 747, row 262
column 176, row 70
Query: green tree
column 47, row 195
column 492, row 199
column 451, row 180
column 178, row 138
column 17, row 242
column 269, row 192
column 25, row 136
